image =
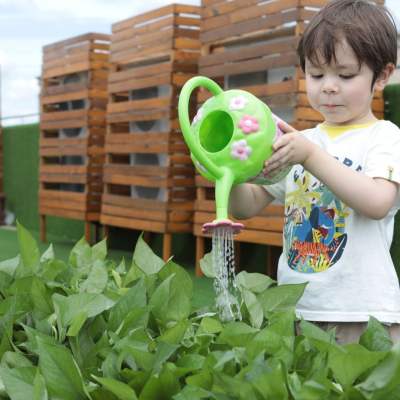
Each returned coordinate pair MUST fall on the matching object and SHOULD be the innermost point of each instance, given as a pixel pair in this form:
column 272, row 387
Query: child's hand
column 290, row 149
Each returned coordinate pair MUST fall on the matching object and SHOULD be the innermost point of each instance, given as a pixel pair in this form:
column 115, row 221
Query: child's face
column 341, row 92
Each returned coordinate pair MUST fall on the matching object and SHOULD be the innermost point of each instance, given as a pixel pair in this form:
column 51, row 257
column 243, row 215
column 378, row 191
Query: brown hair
column 369, row 29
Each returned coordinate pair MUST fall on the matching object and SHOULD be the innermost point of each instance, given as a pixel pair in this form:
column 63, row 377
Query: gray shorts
column 350, row 332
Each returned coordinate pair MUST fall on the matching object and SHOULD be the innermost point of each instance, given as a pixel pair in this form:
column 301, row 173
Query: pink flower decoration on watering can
column 240, row 150
column 248, row 124
column 237, row 103
column 198, row 116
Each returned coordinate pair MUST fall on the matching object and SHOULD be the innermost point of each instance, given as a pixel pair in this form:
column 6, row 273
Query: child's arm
column 372, row 197
column 247, row 200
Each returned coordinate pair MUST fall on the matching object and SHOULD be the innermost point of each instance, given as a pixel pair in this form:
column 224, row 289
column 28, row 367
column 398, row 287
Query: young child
column 342, row 192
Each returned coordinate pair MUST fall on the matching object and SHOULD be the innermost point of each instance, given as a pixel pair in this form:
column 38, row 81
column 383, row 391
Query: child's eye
column 316, row 76
column 347, row 76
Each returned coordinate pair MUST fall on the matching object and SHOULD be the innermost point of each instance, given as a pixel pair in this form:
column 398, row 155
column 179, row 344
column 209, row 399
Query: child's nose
column 330, row 86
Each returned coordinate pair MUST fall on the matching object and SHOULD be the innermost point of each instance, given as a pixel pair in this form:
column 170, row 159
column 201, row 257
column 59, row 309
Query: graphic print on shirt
column 315, row 225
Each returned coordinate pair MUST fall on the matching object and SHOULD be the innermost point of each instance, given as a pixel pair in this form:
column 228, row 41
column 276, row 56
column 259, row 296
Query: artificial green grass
column 9, row 248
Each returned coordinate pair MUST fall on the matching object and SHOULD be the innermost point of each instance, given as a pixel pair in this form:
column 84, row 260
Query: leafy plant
column 89, row 329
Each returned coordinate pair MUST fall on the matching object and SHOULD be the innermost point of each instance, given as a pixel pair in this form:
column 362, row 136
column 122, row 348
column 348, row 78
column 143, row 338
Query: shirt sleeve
column 383, row 157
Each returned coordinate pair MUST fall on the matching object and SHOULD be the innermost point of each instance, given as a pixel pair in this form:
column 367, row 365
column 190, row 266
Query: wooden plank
column 251, row 51
column 139, row 115
column 134, row 213
column 149, row 137
column 270, row 89
column 261, row 64
column 58, row 195
column 140, row 72
column 136, row 170
column 140, row 40
column 127, row 201
column 143, row 18
column 60, row 98
column 164, row 45
column 226, row 7
column 313, row 3
column 64, row 178
column 251, row 12
column 151, row 181
column 179, row 227
column 68, row 69
column 148, row 104
column 186, row 44
column 65, row 52
column 63, row 115
column 55, row 125
column 139, row 83
column 57, row 212
column 151, row 226
column 67, row 61
column 63, row 169
column 61, row 89
column 67, row 151
column 67, row 142
column 64, row 43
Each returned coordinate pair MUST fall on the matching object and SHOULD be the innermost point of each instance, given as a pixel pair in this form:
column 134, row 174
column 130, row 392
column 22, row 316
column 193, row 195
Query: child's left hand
column 290, row 149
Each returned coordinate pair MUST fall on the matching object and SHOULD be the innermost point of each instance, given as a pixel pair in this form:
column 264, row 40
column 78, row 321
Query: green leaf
column 272, row 384
column 160, row 299
column 175, row 334
column 180, row 280
column 133, row 274
column 206, row 265
column 39, row 387
column 15, row 360
column 72, row 305
column 52, row 268
column 99, row 251
column 146, row 260
column 276, row 339
column 28, row 248
column 314, row 390
column 91, row 359
column 281, row 298
column 375, row 338
column 48, row 254
column 120, row 389
column 80, row 255
column 211, row 325
column 237, row 334
column 253, row 307
column 160, row 387
column 6, row 329
column 61, row 374
column 137, row 318
column 135, row 297
column 33, row 334
column 384, row 378
column 10, row 266
column 78, row 323
column 19, row 382
column 255, row 282
column 96, row 280
column 41, row 297
column 178, row 307
column 348, row 366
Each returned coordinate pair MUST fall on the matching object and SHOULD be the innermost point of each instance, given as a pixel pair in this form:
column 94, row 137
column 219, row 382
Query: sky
column 28, row 25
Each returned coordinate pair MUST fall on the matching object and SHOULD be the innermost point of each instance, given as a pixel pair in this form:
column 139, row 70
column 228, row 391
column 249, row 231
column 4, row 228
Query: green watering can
column 230, row 138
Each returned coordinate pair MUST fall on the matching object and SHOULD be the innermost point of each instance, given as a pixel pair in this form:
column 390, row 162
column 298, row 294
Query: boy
column 342, row 192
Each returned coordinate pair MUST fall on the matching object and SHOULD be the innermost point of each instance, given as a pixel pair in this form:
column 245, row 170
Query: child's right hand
column 291, row 149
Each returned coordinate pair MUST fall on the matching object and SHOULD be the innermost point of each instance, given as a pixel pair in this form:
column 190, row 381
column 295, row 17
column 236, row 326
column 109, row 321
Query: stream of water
column 223, row 260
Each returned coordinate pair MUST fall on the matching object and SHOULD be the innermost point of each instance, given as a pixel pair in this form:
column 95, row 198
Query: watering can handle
column 183, row 110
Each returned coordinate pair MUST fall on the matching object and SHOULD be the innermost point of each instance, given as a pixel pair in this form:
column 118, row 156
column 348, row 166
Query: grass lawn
column 204, row 292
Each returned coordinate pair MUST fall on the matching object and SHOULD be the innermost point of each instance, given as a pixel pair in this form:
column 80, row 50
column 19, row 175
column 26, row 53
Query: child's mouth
column 331, row 106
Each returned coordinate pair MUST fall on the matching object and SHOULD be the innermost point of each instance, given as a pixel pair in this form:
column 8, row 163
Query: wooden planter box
column 72, row 123
column 148, row 175
column 249, row 46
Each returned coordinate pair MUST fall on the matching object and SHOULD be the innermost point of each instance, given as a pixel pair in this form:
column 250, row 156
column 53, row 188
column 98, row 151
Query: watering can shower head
column 230, row 138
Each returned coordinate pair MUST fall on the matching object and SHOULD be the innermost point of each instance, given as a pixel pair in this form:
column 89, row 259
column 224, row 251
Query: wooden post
column 88, row 233
column 167, row 246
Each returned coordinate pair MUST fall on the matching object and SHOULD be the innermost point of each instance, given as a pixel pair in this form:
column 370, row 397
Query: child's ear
column 383, row 78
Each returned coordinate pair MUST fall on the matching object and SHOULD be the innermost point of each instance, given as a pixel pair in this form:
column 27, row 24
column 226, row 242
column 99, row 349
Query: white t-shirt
column 342, row 254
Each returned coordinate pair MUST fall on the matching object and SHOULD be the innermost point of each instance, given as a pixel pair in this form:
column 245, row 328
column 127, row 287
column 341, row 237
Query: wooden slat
column 138, row 224
column 141, row 72
column 262, row 64
column 125, row 201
